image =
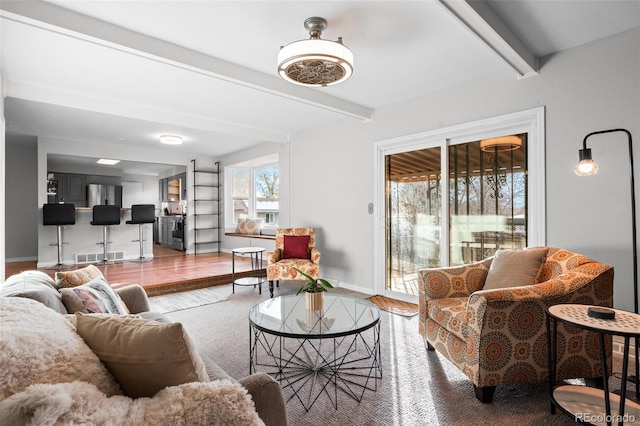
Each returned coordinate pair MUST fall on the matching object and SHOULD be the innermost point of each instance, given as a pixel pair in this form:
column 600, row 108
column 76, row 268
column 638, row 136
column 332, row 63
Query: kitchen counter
column 89, row 209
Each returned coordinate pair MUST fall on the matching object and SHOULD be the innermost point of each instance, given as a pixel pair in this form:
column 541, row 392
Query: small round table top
column 287, row 316
column 246, row 250
column 624, row 324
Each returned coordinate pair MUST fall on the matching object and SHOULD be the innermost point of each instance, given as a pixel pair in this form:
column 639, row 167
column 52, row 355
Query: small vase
column 314, row 301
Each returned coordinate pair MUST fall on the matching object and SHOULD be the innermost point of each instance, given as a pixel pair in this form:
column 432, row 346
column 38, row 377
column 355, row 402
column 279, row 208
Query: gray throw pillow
column 515, row 268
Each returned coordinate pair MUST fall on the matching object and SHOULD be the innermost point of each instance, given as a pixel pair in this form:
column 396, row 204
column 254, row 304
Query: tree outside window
column 255, row 193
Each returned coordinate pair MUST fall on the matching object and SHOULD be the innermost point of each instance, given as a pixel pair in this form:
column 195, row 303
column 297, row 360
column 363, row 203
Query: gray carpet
column 187, row 299
column 417, row 388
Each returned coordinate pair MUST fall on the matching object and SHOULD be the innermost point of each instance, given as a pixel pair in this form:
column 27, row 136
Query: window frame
column 251, row 166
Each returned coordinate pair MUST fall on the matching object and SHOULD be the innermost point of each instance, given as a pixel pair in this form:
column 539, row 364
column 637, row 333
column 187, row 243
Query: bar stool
column 141, row 214
column 105, row 215
column 59, row 215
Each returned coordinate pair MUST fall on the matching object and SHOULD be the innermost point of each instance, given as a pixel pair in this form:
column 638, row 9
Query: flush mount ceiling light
column 315, row 62
column 107, row 161
column 502, row 143
column 171, row 139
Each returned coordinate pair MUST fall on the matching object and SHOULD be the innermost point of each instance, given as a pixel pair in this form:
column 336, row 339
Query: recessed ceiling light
column 107, row 161
column 171, row 139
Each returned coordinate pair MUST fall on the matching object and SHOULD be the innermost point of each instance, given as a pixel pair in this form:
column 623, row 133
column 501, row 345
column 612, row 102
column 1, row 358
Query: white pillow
column 241, row 228
column 94, row 297
column 253, row 226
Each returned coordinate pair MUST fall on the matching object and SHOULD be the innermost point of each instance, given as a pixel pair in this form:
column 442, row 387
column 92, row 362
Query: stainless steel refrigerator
column 98, row 194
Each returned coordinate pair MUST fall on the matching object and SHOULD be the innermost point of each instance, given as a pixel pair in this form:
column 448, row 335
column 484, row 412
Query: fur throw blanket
column 221, row 402
column 49, row 376
column 38, row 345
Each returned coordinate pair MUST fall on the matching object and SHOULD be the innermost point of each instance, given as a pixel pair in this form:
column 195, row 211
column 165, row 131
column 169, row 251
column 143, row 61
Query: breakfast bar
column 82, row 242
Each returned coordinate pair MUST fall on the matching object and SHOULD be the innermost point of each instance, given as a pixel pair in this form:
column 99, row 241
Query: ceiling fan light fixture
column 171, row 139
column 315, row 62
column 502, row 143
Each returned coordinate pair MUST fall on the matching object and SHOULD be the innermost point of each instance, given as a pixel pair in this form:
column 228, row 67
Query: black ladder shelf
column 206, row 207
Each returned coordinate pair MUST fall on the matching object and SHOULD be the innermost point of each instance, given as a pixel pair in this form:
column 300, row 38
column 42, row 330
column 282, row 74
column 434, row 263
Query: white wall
column 21, row 218
column 588, row 88
column 2, row 180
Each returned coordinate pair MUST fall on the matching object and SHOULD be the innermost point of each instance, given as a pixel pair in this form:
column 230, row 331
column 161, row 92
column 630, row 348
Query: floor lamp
column 588, row 167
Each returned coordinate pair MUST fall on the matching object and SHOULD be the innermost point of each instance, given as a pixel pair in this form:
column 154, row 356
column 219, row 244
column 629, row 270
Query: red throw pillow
column 296, row 247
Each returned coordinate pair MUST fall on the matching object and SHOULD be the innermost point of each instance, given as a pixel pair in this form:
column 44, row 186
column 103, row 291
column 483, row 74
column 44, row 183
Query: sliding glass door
column 413, row 212
column 485, row 208
column 487, row 198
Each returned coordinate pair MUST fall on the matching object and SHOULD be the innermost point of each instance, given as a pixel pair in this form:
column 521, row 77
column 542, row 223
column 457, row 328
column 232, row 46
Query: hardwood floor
column 170, row 271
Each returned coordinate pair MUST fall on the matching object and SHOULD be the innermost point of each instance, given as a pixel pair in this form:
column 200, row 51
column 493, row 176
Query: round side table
column 586, row 404
column 256, row 255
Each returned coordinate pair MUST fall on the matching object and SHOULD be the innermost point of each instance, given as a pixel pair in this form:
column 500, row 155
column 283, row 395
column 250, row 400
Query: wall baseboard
column 21, row 259
column 352, row 287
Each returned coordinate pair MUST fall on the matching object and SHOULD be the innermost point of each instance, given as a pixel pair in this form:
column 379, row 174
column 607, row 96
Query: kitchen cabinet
column 166, row 235
column 173, row 188
column 163, row 190
column 164, row 230
column 68, row 187
column 76, row 189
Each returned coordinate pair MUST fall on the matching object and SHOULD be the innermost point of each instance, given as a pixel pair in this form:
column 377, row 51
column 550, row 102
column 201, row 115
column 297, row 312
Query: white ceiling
column 125, row 72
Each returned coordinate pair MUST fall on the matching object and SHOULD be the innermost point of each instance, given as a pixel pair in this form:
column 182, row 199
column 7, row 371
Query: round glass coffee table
column 317, row 352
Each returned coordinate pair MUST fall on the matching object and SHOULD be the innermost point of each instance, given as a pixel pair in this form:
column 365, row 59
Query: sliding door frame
column 529, row 121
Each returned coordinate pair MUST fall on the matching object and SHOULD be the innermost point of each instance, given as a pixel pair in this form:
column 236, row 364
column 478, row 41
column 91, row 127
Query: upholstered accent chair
column 498, row 336
column 295, row 247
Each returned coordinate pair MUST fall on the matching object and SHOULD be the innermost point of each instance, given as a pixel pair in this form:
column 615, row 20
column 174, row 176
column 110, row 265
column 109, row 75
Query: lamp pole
column 633, row 209
column 585, row 154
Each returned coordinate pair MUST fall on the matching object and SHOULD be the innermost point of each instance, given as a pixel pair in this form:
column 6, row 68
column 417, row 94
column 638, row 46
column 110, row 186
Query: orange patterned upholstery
column 282, row 269
column 498, row 337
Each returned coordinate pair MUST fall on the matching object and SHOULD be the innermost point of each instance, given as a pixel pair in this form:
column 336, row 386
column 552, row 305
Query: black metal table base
column 255, row 255
column 308, row 368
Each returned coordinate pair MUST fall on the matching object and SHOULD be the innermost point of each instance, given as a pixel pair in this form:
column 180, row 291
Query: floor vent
column 97, row 257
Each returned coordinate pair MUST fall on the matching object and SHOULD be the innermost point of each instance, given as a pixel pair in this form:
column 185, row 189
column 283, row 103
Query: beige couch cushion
column 515, row 268
column 144, row 356
column 35, row 285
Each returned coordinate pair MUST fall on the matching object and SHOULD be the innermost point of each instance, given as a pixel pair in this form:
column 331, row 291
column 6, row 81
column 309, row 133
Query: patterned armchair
column 498, row 337
column 295, row 247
